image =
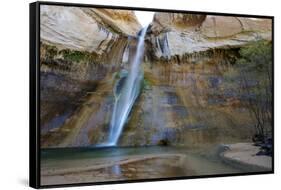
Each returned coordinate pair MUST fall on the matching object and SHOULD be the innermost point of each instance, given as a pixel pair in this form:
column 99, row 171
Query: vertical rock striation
column 189, row 95
column 177, row 36
column 80, row 49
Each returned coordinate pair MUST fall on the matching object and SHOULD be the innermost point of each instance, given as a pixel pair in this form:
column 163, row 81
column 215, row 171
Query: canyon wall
column 79, row 48
column 192, row 94
column 176, row 36
column 187, row 97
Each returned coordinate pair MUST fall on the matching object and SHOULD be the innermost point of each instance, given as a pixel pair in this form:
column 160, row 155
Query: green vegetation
column 255, row 68
column 257, row 56
column 52, row 53
column 77, row 56
column 146, row 84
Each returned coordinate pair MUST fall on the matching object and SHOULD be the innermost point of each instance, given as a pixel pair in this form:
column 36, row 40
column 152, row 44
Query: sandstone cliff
column 80, row 47
column 85, row 29
column 178, row 35
column 190, row 103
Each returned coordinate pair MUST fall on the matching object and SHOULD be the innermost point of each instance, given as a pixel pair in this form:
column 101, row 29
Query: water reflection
column 116, row 170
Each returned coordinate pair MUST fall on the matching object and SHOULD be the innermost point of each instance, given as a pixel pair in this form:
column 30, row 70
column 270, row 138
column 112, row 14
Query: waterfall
column 125, row 99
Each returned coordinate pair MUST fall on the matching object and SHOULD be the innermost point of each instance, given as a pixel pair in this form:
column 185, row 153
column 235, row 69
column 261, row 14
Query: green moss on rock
column 78, row 56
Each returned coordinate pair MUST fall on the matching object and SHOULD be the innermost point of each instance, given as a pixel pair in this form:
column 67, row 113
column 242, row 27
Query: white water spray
column 125, row 100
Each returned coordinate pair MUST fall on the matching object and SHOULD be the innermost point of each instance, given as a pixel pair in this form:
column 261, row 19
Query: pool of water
column 81, row 153
column 79, row 165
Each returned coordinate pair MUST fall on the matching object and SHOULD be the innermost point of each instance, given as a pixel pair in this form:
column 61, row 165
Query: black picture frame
column 34, row 92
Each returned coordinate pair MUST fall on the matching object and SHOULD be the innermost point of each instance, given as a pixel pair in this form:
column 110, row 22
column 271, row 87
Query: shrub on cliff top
column 257, row 56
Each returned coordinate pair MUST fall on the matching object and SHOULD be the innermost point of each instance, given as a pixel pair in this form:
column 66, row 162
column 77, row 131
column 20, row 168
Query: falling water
column 124, row 100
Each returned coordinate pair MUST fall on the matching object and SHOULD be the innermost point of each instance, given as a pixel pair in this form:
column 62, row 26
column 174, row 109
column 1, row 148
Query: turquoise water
column 107, row 152
column 78, row 165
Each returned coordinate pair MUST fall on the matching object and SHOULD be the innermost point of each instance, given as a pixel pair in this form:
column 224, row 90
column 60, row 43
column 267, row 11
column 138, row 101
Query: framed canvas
column 127, row 94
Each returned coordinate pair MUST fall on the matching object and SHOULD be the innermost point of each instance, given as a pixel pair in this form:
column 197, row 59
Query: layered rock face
column 175, row 21
column 187, row 97
column 85, row 29
column 199, row 33
column 80, row 47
